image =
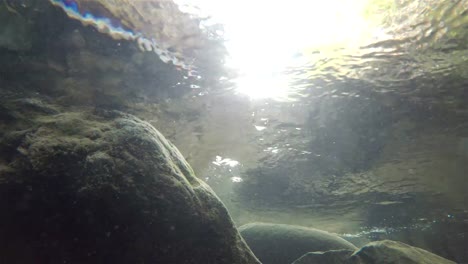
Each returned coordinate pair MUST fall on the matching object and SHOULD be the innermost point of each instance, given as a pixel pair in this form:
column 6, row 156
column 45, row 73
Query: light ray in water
column 271, row 36
column 115, row 30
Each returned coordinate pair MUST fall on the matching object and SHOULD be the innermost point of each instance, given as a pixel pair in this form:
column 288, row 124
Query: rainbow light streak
column 105, row 25
column 102, row 24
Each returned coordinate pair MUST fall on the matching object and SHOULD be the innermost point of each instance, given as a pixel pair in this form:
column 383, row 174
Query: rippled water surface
column 290, row 51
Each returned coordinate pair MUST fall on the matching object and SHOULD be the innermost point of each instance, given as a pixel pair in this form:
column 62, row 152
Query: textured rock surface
column 282, row 244
column 103, row 187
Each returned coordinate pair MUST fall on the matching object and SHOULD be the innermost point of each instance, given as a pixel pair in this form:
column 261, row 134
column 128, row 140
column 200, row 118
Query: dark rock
column 74, row 40
column 82, row 187
column 15, row 31
column 282, row 244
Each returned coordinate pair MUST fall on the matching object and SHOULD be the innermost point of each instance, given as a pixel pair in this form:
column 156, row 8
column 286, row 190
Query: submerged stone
column 329, row 257
column 382, row 252
column 282, row 244
column 105, row 187
column 388, row 251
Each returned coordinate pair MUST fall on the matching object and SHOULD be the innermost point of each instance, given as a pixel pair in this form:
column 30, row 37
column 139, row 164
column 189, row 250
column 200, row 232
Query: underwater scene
column 233, row 132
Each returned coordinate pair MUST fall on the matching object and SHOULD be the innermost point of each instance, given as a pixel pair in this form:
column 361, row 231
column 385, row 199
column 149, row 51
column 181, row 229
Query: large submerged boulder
column 103, row 187
column 282, row 244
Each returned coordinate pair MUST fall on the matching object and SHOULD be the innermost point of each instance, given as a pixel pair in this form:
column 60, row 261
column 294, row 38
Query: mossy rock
column 107, row 187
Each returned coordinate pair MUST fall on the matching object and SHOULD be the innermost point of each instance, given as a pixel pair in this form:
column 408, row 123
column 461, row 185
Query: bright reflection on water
column 219, row 161
column 264, row 38
column 284, row 50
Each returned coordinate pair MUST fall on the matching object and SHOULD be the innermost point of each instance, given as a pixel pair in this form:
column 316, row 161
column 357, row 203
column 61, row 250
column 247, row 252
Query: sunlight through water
column 264, row 38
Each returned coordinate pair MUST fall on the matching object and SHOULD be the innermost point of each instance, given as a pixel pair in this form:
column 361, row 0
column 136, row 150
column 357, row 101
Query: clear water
column 348, row 116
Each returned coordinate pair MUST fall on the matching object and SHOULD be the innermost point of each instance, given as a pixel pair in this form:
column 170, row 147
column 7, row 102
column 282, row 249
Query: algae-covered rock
column 106, row 187
column 282, row 244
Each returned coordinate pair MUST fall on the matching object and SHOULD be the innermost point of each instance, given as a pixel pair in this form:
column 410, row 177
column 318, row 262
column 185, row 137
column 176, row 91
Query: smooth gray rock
column 379, row 252
column 282, row 244
column 328, row 257
column 387, row 252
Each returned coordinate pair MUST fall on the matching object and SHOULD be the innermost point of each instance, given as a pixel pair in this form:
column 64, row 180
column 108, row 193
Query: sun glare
column 264, row 37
